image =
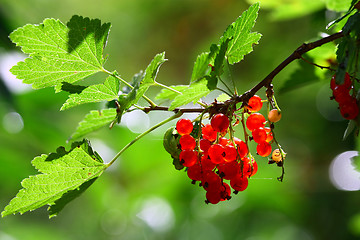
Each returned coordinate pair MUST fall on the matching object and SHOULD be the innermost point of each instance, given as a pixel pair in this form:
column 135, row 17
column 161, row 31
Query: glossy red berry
column 211, row 181
column 254, row 104
column 228, row 170
column 263, row 149
column 230, row 153
column 242, row 148
column 253, row 167
column 259, row 135
column 254, row 121
column 184, row 126
column 208, row 133
column 349, row 110
column 206, row 163
column 225, row 192
column 205, row 145
column 239, row 182
column 217, row 153
column 224, row 141
column 269, row 136
column 188, row 157
column 187, row 142
column 221, row 193
column 213, row 196
column 347, row 82
column 195, row 172
column 220, row 122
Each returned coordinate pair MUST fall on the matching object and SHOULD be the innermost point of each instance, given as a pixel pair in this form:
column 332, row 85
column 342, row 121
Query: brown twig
column 266, row 82
column 304, row 48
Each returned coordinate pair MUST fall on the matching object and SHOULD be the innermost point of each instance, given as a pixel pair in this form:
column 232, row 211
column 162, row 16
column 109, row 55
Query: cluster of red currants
column 255, row 123
column 211, row 158
column 348, row 106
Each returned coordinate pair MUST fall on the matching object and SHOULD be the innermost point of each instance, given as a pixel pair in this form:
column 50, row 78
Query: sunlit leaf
column 193, row 93
column 240, row 35
column 93, row 121
column 168, row 94
column 60, row 53
column 95, row 93
column 59, row 173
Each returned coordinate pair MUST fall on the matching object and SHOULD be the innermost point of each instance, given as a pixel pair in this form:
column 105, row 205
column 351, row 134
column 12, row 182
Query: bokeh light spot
column 342, row 172
column 136, row 121
column 157, row 214
column 13, row 122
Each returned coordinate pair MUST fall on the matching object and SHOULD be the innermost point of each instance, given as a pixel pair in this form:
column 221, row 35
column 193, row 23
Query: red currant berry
column 347, row 82
column 195, row 172
column 228, row 170
column 211, row 181
column 254, row 121
column 220, row 122
column 242, row 148
column 230, row 153
column 224, row 141
column 213, row 197
column 225, row 192
column 349, row 110
column 188, row 157
column 341, row 94
column 209, row 133
column 205, row 145
column 253, row 167
column 239, row 183
column 206, row 163
column 269, row 136
column 254, row 104
column 263, row 149
column 184, row 126
column 187, row 142
column 217, row 153
column 246, row 167
column 259, row 135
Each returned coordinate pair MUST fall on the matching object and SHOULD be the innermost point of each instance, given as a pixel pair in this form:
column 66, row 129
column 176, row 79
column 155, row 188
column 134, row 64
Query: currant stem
column 227, row 87
column 176, row 115
column 282, row 152
column 114, row 74
column 167, row 87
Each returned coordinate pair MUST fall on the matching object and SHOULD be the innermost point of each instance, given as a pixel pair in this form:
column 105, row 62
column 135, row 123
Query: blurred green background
column 142, row 196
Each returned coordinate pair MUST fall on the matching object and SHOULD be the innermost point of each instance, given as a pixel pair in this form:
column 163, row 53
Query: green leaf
column 338, row 5
column 93, row 121
column 193, row 93
column 287, row 10
column 171, row 145
column 72, row 88
column 167, row 94
column 201, row 66
column 220, row 57
column 242, row 39
column 59, row 173
column 150, row 75
column 95, row 93
column 223, row 97
column 302, row 76
column 60, row 53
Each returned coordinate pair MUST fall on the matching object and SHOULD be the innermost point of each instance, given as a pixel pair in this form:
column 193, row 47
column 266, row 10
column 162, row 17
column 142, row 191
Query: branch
column 176, row 110
column 297, row 54
column 266, row 82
